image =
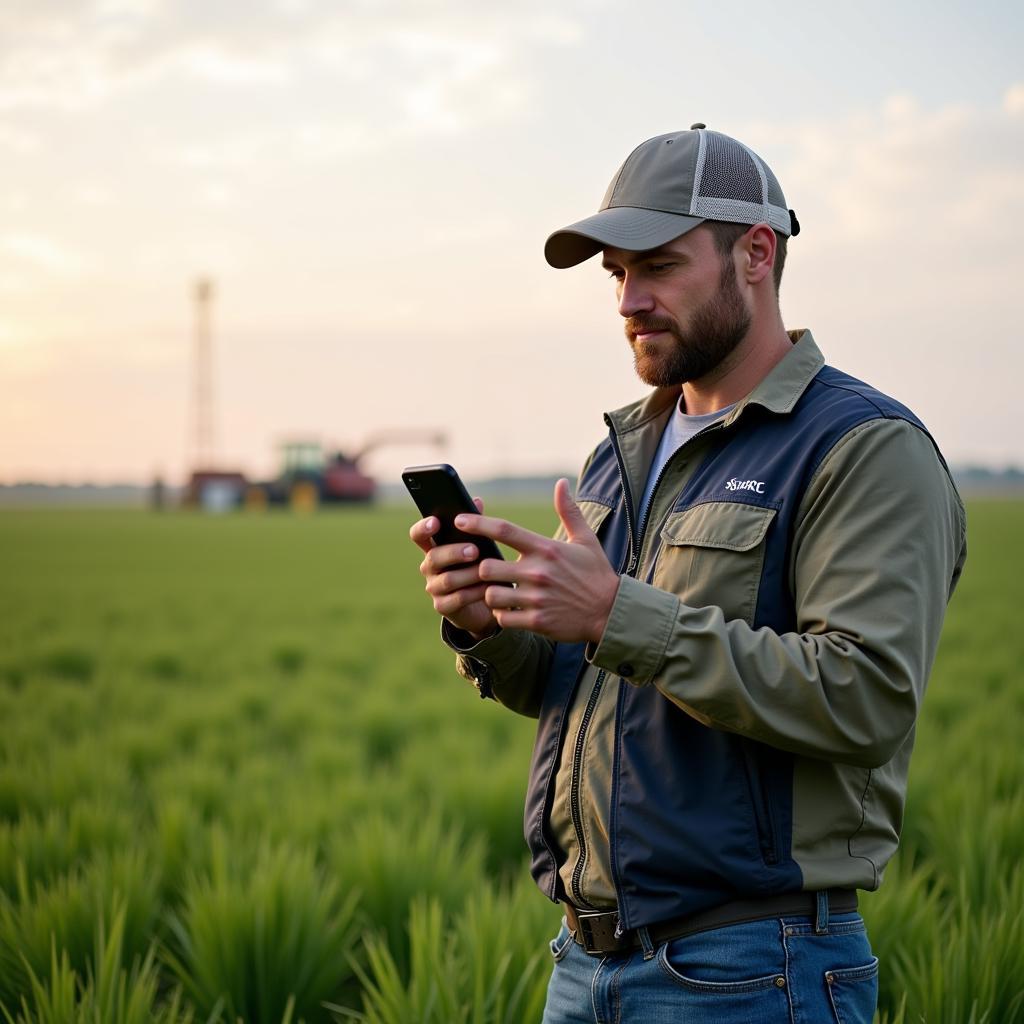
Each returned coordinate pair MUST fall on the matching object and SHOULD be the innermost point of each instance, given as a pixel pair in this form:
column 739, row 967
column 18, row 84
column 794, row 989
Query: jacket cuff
column 460, row 641
column 637, row 632
column 503, row 651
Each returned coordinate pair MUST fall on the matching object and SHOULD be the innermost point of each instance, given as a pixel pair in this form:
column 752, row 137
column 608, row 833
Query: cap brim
column 620, row 227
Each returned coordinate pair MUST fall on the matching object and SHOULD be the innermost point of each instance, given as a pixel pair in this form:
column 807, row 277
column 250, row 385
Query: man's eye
column 660, row 268
column 615, row 274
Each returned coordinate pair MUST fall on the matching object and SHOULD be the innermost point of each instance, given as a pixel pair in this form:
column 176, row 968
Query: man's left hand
column 564, row 589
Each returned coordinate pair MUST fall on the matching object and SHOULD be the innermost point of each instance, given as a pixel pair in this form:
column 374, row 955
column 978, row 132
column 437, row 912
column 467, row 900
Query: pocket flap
column 719, row 524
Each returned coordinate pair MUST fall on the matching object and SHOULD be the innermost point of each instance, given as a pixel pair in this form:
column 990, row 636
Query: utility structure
column 203, row 439
column 209, row 487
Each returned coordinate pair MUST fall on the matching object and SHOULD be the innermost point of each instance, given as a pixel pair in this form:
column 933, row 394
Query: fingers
column 569, row 513
column 442, row 583
column 451, row 604
column 519, row 618
column 497, row 597
column 499, row 570
column 521, row 608
column 446, row 556
column 422, row 530
column 516, row 537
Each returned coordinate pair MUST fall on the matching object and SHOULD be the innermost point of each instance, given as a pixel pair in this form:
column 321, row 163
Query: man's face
column 683, row 309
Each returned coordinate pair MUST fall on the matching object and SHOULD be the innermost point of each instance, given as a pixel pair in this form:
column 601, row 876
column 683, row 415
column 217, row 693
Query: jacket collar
column 778, row 392
column 781, row 389
column 638, row 427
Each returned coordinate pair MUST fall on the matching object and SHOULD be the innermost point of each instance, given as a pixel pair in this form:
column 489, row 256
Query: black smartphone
column 438, row 491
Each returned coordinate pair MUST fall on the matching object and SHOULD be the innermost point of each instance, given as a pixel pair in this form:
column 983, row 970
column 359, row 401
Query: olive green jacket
column 875, row 551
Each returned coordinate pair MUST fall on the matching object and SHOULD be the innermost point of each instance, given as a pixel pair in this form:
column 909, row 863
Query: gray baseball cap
column 667, row 186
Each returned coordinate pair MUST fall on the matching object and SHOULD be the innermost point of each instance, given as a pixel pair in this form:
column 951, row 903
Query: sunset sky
column 370, row 185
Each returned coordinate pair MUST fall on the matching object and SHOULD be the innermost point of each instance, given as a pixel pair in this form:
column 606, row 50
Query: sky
column 370, row 184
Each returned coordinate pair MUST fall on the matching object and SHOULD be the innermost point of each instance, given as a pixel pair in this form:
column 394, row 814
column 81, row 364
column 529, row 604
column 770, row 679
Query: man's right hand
column 458, row 594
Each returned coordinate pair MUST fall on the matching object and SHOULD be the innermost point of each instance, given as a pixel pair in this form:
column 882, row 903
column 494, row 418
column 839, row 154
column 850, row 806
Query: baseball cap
column 667, row 186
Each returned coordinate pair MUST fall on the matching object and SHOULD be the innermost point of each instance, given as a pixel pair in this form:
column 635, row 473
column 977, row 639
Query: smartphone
column 438, row 491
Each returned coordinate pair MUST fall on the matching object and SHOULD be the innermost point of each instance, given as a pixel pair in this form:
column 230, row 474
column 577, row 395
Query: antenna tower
column 203, row 396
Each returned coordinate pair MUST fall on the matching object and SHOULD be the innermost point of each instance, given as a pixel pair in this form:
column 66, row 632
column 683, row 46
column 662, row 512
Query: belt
column 598, row 932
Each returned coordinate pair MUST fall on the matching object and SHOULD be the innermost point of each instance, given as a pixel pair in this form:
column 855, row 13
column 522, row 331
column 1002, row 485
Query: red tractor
column 311, row 476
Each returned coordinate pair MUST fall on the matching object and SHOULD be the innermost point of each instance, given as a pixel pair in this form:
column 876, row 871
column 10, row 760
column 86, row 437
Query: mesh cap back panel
column 732, row 183
column 728, row 173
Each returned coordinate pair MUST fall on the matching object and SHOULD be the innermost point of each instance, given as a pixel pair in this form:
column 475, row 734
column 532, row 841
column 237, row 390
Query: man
column 727, row 643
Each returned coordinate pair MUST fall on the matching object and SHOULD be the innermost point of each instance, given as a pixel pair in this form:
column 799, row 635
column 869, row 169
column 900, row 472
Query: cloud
column 1013, row 99
column 42, row 253
column 437, row 59
column 904, row 172
column 17, row 140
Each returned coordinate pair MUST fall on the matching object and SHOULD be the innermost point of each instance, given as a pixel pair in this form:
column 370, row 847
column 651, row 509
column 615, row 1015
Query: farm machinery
column 312, row 475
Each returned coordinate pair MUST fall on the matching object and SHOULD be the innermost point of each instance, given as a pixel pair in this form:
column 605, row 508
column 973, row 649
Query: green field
column 240, row 779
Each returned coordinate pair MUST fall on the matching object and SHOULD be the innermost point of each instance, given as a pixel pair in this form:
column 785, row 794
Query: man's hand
column 564, row 589
column 458, row 593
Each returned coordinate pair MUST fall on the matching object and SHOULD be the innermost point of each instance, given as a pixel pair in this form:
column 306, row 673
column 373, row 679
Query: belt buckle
column 596, row 931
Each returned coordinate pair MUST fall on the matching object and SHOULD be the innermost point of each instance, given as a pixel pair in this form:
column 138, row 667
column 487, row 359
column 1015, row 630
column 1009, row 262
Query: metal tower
column 203, row 394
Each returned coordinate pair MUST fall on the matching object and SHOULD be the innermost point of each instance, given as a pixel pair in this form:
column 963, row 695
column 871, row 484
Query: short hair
column 725, row 233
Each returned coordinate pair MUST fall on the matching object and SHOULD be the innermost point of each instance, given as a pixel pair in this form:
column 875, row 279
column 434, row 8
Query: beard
column 715, row 330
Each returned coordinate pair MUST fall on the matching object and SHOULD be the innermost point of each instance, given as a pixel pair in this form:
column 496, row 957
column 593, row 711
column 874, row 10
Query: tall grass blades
column 65, row 912
column 238, row 745
column 487, row 964
column 107, row 994
column 263, row 940
column 389, row 863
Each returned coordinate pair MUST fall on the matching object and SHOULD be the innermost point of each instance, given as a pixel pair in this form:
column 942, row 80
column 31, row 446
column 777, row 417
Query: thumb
column 569, row 513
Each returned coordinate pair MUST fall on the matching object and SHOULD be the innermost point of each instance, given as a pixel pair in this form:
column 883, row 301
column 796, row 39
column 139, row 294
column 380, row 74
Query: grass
column 240, row 780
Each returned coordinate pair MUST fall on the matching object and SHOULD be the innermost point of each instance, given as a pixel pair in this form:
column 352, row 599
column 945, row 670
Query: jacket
column 744, row 727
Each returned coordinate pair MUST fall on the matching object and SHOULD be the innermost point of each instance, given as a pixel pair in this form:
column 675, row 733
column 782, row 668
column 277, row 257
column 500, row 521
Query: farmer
column 727, row 643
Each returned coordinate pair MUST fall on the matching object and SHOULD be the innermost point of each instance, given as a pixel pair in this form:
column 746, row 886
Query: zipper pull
column 482, row 679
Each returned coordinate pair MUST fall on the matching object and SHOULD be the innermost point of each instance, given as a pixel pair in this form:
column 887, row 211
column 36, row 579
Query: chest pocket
column 713, row 554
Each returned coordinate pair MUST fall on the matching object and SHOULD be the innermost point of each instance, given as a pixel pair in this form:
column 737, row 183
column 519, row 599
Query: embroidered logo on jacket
column 745, row 485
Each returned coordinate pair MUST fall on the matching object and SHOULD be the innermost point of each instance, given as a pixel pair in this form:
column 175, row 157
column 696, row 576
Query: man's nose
column 634, row 297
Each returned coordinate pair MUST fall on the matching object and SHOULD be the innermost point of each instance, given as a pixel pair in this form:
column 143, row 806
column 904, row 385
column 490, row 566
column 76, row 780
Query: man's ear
column 758, row 252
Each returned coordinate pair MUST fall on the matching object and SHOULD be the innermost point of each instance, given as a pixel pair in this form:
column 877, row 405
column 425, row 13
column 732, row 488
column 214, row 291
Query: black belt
column 598, row 933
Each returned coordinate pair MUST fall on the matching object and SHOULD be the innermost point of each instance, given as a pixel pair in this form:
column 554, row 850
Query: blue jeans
column 776, row 971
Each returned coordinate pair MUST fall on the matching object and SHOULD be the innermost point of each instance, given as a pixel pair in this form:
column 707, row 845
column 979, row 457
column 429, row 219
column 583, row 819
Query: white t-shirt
column 679, row 429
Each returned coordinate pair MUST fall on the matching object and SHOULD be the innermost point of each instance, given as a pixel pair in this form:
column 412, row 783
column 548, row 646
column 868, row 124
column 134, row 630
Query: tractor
column 311, row 475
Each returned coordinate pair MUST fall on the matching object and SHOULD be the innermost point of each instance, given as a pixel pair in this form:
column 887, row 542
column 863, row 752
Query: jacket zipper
column 575, row 808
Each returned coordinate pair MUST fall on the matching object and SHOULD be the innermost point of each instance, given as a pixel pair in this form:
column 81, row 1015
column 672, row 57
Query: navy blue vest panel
column 601, row 482
column 700, row 816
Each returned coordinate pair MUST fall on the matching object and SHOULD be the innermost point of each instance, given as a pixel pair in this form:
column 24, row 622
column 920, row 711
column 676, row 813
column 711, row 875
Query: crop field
column 239, row 779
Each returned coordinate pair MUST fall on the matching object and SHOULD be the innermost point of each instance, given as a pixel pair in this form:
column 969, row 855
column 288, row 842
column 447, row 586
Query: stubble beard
column 715, row 330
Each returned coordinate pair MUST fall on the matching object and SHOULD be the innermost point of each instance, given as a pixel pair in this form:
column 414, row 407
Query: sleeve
column 511, row 665
column 878, row 546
